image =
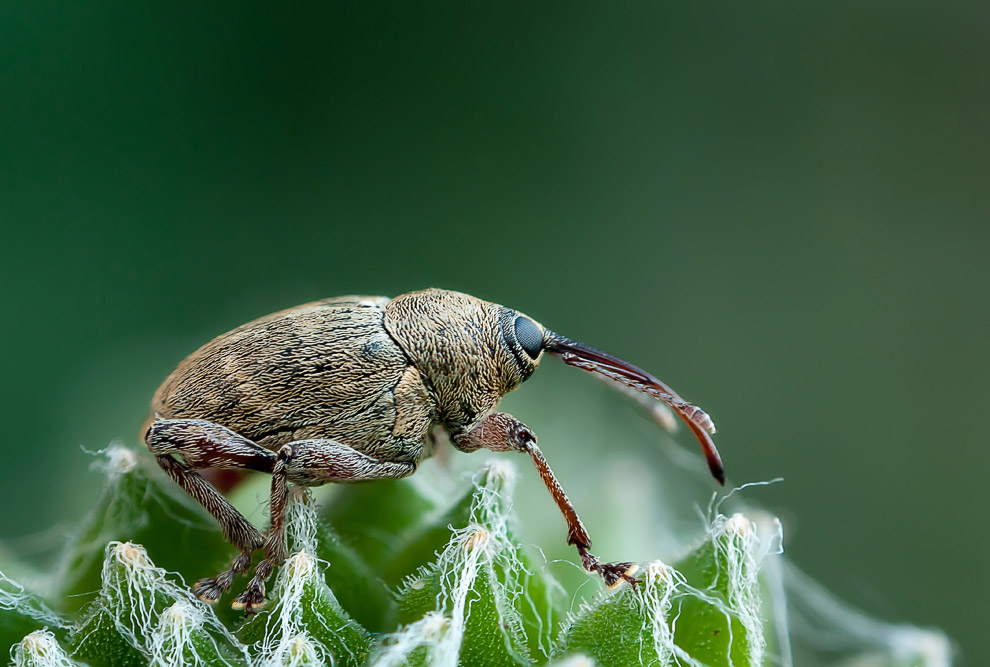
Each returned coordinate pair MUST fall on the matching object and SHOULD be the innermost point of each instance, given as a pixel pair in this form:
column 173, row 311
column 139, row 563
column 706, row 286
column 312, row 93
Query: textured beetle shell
column 326, row 369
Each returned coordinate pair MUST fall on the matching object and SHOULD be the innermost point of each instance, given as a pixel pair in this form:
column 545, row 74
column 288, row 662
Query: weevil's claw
column 615, row 573
column 209, row 590
column 612, row 573
column 212, row 588
column 250, row 600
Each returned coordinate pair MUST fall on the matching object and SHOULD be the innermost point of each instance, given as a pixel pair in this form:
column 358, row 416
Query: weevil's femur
column 583, row 356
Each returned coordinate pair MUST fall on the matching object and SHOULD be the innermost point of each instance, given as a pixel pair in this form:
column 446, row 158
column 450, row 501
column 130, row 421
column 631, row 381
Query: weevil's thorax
column 464, row 348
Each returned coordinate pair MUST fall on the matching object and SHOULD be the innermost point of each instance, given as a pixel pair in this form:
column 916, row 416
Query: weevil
column 350, row 389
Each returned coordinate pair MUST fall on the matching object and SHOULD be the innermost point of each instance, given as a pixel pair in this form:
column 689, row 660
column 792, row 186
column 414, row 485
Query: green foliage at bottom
column 391, row 576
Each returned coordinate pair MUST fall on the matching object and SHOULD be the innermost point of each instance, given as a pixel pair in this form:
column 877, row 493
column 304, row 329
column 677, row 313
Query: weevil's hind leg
column 181, row 446
column 308, row 463
column 501, row 432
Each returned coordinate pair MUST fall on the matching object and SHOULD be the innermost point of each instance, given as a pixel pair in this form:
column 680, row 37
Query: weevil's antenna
column 574, row 353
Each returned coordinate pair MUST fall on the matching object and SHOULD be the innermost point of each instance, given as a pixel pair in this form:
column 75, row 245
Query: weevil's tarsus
column 253, row 597
column 212, row 588
column 585, row 357
column 612, row 574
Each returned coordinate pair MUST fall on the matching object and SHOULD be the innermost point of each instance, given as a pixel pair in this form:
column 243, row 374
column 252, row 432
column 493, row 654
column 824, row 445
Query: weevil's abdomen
column 327, row 369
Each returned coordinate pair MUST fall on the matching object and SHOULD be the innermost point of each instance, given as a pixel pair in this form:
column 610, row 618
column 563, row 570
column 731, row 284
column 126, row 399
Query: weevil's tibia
column 501, row 432
column 612, row 573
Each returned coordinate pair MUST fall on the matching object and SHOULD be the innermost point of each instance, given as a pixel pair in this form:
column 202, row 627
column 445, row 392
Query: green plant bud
column 144, row 507
column 184, row 638
column 39, row 649
column 116, row 629
column 480, row 627
column 720, row 622
column 535, row 595
column 355, row 585
column 305, row 615
column 475, row 585
column 627, row 626
column 531, row 598
column 493, row 634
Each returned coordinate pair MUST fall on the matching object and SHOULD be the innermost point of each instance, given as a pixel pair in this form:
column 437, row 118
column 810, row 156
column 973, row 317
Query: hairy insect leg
column 501, row 432
column 181, row 446
column 308, row 463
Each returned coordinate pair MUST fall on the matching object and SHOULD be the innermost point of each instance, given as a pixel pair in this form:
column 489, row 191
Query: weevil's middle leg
column 308, row 463
column 501, row 432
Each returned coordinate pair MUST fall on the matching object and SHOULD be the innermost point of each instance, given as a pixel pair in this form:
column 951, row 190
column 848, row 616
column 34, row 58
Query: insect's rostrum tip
column 719, row 474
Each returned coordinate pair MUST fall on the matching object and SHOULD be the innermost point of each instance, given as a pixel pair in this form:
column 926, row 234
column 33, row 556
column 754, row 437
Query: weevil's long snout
column 573, row 353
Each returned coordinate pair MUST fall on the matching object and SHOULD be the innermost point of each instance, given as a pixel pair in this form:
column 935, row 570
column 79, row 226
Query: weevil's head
column 472, row 352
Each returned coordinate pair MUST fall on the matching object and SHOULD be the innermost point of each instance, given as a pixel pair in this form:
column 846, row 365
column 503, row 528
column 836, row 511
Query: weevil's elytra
column 349, row 389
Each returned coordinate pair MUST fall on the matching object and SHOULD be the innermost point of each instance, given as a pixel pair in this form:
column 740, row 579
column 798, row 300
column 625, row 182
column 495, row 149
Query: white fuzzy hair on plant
column 287, row 643
column 13, row 597
column 171, row 643
column 737, row 541
column 39, row 649
column 133, row 586
column 483, row 545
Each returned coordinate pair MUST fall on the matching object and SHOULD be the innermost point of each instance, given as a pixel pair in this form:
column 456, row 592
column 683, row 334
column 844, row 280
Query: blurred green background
column 779, row 208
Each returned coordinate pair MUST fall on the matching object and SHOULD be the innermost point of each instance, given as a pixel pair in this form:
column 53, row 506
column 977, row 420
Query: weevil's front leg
column 308, row 463
column 501, row 432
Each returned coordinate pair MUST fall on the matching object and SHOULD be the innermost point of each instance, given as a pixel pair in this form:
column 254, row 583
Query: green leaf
column 374, row 515
column 185, row 637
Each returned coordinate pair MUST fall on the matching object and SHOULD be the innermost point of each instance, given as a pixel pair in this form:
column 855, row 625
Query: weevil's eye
column 529, row 336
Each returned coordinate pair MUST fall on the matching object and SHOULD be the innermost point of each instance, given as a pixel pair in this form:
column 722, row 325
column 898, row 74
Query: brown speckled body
column 326, row 369
column 349, row 389
column 369, row 372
